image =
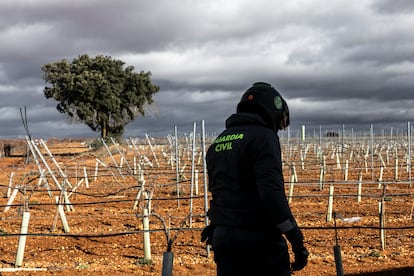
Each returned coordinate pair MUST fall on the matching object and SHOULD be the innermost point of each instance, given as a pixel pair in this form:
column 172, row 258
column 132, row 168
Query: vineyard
column 95, row 207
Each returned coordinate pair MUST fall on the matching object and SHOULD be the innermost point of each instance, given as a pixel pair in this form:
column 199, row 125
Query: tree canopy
column 99, row 92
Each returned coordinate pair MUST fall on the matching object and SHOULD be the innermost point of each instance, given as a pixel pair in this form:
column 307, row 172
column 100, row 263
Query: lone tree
column 99, row 92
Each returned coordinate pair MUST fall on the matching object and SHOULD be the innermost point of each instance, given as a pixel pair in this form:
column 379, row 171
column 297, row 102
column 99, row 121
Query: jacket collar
column 244, row 118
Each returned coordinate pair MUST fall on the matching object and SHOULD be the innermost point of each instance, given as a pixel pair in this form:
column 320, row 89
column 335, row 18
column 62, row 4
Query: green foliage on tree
column 99, row 92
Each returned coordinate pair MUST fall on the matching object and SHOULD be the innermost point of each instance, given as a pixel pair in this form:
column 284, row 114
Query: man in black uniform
column 249, row 211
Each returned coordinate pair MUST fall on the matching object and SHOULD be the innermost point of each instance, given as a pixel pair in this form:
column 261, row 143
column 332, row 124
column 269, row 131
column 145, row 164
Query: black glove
column 295, row 238
column 207, row 234
column 301, row 259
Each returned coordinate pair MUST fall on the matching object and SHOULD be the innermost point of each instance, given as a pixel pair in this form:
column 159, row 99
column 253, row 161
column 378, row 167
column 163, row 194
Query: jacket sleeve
column 269, row 181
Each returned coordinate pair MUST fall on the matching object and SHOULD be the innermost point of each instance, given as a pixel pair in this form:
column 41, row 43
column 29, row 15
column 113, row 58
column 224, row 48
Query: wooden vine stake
column 338, row 162
column 152, row 150
column 291, row 186
column 141, row 182
column 196, row 182
column 42, row 178
column 291, row 183
column 96, row 169
column 193, row 152
column 396, row 169
column 85, row 174
column 95, row 176
column 113, row 158
column 294, row 172
column 22, row 239
column 322, row 173
column 321, row 177
column 9, row 188
column 330, row 203
column 135, row 165
column 123, row 159
column 302, row 161
column 76, row 187
column 148, row 197
column 382, row 218
column 11, row 198
column 382, row 161
column 177, row 165
column 69, row 206
column 60, row 213
column 55, row 162
column 359, row 186
column 382, row 222
column 346, row 171
column 121, row 162
column 147, row 241
column 380, row 176
column 366, row 164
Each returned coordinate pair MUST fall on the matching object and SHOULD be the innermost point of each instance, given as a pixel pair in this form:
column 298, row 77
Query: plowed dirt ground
column 106, row 237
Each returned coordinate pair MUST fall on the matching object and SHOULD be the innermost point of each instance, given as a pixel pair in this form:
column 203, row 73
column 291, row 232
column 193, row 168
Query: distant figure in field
column 7, row 150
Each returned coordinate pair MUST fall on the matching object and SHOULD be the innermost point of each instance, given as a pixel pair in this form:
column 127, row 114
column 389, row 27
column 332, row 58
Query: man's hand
column 295, row 237
column 301, row 258
column 207, row 234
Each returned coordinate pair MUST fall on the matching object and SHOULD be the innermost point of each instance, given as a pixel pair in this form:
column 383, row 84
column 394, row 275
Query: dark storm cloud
column 335, row 63
column 394, row 6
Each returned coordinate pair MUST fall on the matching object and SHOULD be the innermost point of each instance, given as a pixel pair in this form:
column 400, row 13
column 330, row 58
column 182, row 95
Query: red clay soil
column 106, row 236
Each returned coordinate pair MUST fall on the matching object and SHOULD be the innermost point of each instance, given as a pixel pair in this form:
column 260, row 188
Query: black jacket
column 245, row 175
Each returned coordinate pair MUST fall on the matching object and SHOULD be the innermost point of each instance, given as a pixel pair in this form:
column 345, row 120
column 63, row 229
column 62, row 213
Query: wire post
column 177, row 166
column 409, row 152
column 372, row 151
column 193, row 153
column 381, row 204
column 203, row 153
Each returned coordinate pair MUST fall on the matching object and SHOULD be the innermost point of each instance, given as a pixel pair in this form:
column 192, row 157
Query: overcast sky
column 336, row 62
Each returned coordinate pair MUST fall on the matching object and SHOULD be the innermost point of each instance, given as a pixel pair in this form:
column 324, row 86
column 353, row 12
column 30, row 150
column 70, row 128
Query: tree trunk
column 104, row 130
